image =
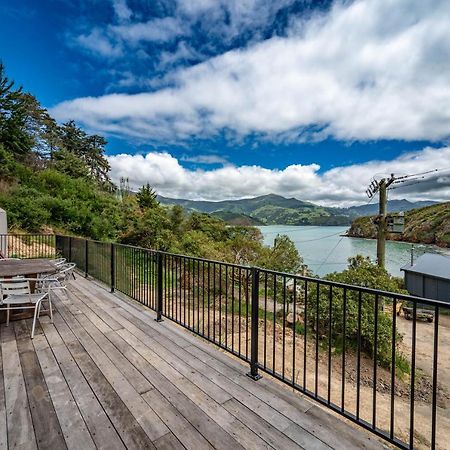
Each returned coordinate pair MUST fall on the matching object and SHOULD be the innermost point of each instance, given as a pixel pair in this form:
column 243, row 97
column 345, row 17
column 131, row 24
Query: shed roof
column 431, row 264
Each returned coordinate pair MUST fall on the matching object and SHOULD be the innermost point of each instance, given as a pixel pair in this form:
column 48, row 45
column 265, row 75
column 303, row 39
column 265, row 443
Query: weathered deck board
column 3, row 427
column 19, row 423
column 106, row 375
column 46, row 425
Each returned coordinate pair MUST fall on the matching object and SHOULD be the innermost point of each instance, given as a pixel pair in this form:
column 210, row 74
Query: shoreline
column 400, row 241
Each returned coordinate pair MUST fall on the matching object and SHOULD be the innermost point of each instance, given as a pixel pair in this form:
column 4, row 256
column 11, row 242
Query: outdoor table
column 29, row 268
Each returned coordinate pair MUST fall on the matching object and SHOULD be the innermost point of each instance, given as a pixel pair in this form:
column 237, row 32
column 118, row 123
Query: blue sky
column 198, row 96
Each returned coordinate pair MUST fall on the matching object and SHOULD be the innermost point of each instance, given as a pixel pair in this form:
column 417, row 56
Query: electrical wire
column 331, row 251
column 320, row 238
column 292, row 229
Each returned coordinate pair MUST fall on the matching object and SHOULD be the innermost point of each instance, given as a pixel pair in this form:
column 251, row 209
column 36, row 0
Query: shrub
column 361, row 272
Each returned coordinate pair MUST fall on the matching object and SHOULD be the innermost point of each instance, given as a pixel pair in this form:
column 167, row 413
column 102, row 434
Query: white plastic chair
column 16, row 294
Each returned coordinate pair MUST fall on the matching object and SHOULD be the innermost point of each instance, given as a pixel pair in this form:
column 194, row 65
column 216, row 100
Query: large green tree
column 14, row 134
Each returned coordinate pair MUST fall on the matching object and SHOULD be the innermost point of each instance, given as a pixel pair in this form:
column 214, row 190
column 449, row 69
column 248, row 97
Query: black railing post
column 253, row 374
column 159, row 286
column 113, row 268
column 70, row 249
column 86, row 254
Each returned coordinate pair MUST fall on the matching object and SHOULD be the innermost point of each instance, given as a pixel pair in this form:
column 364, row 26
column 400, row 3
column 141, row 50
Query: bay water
column 324, row 248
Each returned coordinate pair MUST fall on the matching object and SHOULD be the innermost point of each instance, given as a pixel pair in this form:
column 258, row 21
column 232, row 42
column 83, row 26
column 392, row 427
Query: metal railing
column 28, row 245
column 344, row 346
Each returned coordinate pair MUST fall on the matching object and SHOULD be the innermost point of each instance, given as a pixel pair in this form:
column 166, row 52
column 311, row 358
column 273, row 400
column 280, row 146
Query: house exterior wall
column 3, row 231
column 428, row 287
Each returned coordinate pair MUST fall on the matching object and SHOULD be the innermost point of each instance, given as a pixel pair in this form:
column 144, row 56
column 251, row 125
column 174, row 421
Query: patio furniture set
column 27, row 284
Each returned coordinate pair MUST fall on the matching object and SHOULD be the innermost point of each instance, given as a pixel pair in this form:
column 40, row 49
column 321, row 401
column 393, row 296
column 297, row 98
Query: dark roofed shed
column 429, row 277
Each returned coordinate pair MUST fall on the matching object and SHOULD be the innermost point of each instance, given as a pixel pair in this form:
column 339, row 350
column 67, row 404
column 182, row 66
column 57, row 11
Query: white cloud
column 99, row 43
column 123, row 12
column 228, row 19
column 370, row 69
column 155, row 30
column 340, row 186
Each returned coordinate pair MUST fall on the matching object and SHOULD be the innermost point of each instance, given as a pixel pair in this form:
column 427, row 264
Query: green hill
column 236, row 218
column 265, row 210
column 274, row 209
column 428, row 225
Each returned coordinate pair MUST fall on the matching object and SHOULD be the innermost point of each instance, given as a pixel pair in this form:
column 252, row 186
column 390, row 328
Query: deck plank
column 144, row 415
column 209, row 429
column 3, row 426
column 19, row 422
column 168, row 442
column 176, row 422
column 100, row 427
column 45, row 421
column 75, row 431
column 132, row 434
column 213, row 409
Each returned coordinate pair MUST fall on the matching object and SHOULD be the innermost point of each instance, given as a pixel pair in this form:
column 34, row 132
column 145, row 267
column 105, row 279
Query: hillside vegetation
column 429, row 225
column 274, row 209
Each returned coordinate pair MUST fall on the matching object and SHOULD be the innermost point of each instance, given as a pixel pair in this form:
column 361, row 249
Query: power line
column 403, row 185
column 331, row 251
column 310, row 227
column 320, row 238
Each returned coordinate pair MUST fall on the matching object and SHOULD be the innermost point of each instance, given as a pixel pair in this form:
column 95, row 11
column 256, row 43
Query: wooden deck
column 106, row 375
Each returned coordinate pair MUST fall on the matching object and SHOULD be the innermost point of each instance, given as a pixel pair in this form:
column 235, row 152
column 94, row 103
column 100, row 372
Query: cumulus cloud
column 366, row 70
column 340, row 186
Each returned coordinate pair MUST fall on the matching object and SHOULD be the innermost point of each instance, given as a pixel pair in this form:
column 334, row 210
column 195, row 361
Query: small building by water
column 429, row 277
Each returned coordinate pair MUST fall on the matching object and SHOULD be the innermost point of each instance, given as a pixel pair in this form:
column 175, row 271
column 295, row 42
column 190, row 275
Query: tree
column 14, row 134
column 69, row 163
column 283, row 256
column 177, row 218
column 360, row 272
column 146, row 197
column 90, row 149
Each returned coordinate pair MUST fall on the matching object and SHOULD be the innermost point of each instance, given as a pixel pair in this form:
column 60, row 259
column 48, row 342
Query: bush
column 361, row 272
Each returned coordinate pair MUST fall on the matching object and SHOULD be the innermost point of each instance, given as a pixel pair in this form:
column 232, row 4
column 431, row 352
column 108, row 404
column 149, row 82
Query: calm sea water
column 324, row 250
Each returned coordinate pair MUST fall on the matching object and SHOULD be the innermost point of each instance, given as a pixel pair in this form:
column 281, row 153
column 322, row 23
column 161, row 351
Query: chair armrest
column 9, row 280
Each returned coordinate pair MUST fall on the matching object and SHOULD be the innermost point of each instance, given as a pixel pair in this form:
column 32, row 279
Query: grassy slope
column 429, row 225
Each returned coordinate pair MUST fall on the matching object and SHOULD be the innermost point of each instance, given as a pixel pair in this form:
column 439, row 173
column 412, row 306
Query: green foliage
column 14, row 135
column 360, row 272
column 283, row 256
column 428, row 225
column 51, row 198
column 146, row 197
column 69, row 163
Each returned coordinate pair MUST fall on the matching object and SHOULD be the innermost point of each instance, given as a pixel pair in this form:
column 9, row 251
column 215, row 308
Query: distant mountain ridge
column 275, row 209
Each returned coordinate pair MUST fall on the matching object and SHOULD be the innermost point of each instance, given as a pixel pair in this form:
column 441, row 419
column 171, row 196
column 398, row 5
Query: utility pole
column 381, row 221
column 396, row 223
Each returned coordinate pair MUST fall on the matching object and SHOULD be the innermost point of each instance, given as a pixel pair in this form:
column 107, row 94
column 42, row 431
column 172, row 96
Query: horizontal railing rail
column 347, row 347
